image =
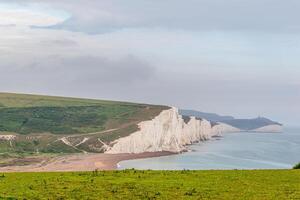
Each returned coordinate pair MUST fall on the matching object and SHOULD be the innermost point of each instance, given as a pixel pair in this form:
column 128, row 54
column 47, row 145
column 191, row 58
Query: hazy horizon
column 236, row 58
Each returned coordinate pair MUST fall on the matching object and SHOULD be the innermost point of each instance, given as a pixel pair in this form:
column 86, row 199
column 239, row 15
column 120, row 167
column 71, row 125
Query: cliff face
column 167, row 132
column 224, row 128
column 7, row 137
column 275, row 128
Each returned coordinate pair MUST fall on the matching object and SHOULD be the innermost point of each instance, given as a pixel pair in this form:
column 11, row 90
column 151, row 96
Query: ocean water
column 231, row 151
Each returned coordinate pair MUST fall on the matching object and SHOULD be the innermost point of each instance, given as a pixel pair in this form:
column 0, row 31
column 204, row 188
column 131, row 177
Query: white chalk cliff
column 7, row 137
column 224, row 128
column 274, row 128
column 167, row 132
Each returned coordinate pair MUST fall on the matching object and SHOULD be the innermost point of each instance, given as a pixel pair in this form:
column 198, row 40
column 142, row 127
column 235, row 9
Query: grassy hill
column 57, row 124
column 208, row 116
column 131, row 184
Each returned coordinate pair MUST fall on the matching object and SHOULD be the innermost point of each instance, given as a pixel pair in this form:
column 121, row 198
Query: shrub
column 190, row 192
column 297, row 166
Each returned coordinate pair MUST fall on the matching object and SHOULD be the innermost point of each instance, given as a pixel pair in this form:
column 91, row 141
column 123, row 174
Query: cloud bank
column 236, row 57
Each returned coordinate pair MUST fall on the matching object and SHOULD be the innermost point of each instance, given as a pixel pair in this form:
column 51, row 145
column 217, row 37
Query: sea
column 244, row 150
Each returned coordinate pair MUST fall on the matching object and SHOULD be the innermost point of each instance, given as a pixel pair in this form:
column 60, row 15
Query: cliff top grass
column 132, row 184
column 25, row 114
column 14, row 100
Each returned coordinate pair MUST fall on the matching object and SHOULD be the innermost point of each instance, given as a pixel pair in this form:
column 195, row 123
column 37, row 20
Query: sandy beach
column 81, row 162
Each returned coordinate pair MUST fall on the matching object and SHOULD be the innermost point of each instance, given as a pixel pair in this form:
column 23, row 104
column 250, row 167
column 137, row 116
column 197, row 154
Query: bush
column 297, row 166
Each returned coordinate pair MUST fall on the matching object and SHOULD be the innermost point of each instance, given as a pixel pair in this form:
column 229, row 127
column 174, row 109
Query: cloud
column 7, row 25
column 26, row 16
column 82, row 70
column 234, row 57
column 98, row 70
column 63, row 42
column 193, row 15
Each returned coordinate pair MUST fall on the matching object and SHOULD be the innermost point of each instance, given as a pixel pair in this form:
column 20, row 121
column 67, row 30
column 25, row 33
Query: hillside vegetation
column 58, row 124
column 132, row 184
column 297, row 166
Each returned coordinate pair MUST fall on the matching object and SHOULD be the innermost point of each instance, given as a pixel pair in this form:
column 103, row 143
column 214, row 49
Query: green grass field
column 132, row 184
column 39, row 122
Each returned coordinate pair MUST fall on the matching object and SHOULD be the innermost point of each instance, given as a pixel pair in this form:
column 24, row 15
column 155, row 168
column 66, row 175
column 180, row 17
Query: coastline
column 82, row 162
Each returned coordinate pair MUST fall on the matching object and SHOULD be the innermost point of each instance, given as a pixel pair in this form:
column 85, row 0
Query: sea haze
column 232, row 151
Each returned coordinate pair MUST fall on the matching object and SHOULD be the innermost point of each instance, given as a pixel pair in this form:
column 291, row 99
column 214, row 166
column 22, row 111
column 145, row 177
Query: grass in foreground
column 132, row 184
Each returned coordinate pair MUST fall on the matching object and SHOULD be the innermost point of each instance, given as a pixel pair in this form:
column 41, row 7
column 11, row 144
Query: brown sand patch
column 81, row 162
column 99, row 165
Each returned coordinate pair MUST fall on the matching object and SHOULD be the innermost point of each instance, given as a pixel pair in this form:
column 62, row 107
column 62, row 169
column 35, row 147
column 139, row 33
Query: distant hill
column 208, row 116
column 250, row 124
column 243, row 124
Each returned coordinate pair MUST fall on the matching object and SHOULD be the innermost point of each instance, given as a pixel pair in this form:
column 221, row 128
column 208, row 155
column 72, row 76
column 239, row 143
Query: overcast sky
column 236, row 57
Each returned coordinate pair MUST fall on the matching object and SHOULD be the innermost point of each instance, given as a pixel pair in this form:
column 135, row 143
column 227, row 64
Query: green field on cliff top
column 132, row 184
column 26, row 114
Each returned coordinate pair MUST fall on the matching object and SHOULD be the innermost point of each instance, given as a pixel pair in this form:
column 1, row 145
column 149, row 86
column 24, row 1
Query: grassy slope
column 39, row 121
column 131, row 184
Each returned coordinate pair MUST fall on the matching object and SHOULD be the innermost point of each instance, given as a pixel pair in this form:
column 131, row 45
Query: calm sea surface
column 232, row 151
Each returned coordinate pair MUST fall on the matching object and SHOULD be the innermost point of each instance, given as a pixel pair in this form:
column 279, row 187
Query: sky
column 234, row 57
